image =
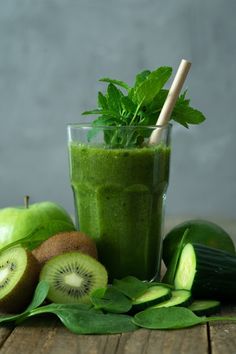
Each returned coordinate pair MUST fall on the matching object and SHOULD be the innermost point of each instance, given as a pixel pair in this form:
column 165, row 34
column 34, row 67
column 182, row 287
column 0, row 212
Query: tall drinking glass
column 119, row 183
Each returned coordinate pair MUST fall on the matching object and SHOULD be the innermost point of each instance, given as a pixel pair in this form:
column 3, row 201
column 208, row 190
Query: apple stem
column 26, row 201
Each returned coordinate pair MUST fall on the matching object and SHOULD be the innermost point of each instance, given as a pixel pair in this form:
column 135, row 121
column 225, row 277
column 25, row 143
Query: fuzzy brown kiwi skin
column 65, row 242
column 17, row 300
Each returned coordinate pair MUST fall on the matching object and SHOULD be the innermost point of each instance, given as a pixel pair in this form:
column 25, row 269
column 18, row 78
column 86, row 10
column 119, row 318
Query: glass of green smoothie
column 119, row 183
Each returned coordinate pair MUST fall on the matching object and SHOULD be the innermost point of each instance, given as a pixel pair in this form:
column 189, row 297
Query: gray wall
column 52, row 53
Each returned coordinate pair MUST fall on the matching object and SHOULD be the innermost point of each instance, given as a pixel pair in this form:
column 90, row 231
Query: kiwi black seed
column 65, row 242
column 19, row 273
column 72, row 277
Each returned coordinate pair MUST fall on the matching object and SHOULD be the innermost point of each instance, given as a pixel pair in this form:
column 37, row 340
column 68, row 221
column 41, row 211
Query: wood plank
column 5, row 333
column 222, row 335
column 168, row 342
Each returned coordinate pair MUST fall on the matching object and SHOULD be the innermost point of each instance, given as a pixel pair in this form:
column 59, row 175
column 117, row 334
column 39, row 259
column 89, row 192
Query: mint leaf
column 149, row 88
column 141, row 77
column 114, row 96
column 187, row 115
column 102, row 101
column 116, row 82
column 140, row 106
column 92, row 111
column 128, row 106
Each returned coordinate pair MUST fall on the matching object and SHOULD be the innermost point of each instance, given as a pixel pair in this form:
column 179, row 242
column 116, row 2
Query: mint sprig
column 139, row 106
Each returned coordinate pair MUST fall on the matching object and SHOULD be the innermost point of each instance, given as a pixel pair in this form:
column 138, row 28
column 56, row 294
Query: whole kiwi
column 65, row 242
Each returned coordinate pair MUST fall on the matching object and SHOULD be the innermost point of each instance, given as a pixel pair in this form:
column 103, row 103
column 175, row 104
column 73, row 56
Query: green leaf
column 128, row 105
column 114, row 97
column 80, row 319
column 40, row 295
column 102, row 121
column 131, row 286
column 102, row 101
column 93, row 111
column 90, row 323
column 167, row 318
column 40, row 234
column 111, row 300
column 149, row 88
column 141, row 77
column 115, row 82
column 187, row 115
column 140, row 106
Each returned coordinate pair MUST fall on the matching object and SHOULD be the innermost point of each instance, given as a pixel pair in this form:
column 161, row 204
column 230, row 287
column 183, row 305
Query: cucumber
column 208, row 272
column 178, row 298
column 205, row 307
column 200, row 231
column 153, row 295
column 169, row 276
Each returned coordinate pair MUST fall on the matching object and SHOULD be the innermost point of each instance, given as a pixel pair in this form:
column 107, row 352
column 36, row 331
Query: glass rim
column 89, row 125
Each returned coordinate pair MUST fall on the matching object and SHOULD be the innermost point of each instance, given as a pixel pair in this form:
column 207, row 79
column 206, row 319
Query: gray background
column 52, row 53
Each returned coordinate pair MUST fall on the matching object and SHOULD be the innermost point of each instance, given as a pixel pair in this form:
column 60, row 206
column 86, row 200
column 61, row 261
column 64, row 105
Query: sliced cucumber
column 178, row 298
column 208, row 272
column 154, row 295
column 205, row 307
column 169, row 276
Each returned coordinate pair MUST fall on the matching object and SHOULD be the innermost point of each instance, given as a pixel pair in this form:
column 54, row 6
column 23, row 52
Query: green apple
column 18, row 222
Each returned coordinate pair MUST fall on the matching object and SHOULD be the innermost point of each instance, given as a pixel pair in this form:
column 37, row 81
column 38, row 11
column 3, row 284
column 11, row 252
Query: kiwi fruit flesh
column 65, row 242
column 72, row 277
column 19, row 273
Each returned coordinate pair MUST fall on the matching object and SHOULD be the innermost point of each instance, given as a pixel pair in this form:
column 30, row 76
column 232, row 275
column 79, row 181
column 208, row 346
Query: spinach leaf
column 40, row 295
column 111, row 300
column 167, row 318
column 172, row 318
column 83, row 319
column 131, row 286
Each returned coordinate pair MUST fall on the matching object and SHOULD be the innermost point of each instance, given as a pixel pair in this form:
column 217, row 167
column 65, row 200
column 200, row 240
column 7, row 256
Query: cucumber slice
column 205, row 307
column 208, row 272
column 186, row 269
column 169, row 276
column 154, row 295
column 179, row 298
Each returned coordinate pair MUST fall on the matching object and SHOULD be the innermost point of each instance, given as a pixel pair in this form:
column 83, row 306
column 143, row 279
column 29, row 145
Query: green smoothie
column 119, row 196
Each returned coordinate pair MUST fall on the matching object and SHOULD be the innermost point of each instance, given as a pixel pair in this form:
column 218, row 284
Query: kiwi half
column 65, row 242
column 72, row 277
column 19, row 272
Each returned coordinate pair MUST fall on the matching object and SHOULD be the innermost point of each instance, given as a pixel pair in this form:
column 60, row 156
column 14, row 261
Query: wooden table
column 47, row 335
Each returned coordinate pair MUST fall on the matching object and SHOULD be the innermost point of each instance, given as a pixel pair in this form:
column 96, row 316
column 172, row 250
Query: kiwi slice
column 65, row 242
column 19, row 272
column 72, row 277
